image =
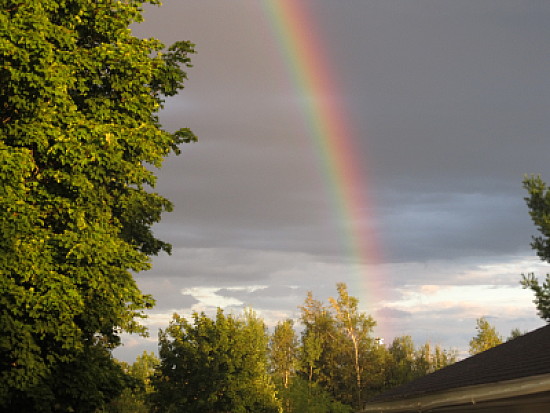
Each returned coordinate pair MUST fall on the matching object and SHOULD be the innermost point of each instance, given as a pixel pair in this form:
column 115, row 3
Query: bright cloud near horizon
column 448, row 102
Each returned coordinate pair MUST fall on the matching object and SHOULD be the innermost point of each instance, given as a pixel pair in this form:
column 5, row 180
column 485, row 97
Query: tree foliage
column 406, row 362
column 402, row 367
column 339, row 352
column 214, row 365
column 229, row 363
column 487, row 337
column 82, row 385
column 135, row 399
column 317, row 338
column 358, row 347
column 79, row 133
column 302, row 396
column 283, row 352
column 515, row 333
column 338, row 363
column 538, row 203
column 430, row 358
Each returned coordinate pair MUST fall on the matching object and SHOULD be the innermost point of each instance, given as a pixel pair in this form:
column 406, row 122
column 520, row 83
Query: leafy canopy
column 214, row 365
column 538, row 203
column 79, row 136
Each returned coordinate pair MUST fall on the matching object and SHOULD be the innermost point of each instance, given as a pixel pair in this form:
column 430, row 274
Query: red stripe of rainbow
column 330, row 129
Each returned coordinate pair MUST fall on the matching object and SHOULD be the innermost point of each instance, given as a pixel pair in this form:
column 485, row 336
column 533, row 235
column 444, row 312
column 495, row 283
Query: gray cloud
column 274, row 297
column 448, row 102
column 387, row 313
column 166, row 291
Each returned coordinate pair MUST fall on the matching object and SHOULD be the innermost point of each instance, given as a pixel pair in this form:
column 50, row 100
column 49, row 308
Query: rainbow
column 332, row 135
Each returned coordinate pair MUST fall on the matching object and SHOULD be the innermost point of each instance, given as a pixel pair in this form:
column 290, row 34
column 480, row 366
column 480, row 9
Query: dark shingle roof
column 524, row 356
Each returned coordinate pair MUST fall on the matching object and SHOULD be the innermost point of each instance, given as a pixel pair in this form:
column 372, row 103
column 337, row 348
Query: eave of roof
column 464, row 395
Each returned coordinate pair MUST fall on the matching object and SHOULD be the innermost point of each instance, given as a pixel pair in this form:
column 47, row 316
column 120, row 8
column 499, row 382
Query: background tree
column 407, row 363
column 443, row 358
column 538, row 203
column 338, row 352
column 79, row 136
column 515, row 333
column 304, row 397
column 134, row 399
column 430, row 358
column 355, row 342
column 402, row 362
column 283, row 352
column 302, row 362
column 317, row 338
column 486, row 338
column 143, row 369
column 214, row 365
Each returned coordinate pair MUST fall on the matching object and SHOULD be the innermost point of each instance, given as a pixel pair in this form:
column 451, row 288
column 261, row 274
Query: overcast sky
column 449, row 102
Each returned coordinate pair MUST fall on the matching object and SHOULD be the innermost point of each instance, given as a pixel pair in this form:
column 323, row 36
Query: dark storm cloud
column 449, row 100
column 467, row 224
column 219, row 267
column 445, row 90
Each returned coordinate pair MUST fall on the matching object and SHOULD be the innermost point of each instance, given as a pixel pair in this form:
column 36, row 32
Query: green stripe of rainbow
column 330, row 130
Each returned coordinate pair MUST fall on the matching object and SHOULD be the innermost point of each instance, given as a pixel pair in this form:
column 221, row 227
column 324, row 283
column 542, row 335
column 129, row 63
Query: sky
column 445, row 104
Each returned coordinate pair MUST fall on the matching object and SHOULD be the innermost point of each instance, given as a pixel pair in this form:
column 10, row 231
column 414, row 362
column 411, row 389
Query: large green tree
column 538, row 203
column 82, row 385
column 79, row 138
column 214, row 365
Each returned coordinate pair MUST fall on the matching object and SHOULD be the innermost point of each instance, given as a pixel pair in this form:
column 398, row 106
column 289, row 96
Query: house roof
column 517, row 359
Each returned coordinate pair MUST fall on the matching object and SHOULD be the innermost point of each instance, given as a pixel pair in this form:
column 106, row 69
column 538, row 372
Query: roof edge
column 464, row 395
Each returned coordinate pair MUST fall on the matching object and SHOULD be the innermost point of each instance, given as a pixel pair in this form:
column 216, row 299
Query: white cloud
column 208, row 297
column 491, row 299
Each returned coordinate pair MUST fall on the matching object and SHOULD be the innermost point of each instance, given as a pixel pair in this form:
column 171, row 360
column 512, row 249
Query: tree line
column 330, row 362
column 231, row 363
